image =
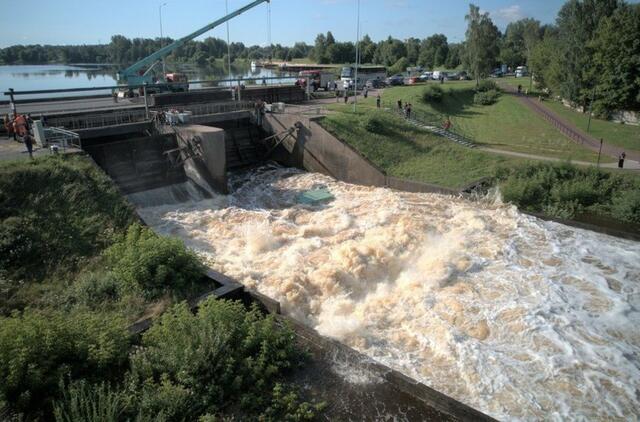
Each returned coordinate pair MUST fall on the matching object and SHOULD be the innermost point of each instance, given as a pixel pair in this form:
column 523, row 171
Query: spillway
column 520, row 318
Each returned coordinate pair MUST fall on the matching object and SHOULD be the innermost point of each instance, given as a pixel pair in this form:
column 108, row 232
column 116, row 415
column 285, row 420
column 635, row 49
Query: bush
column 486, row 97
column 38, row 349
column 487, row 85
column 85, row 402
column 54, row 213
column 153, row 264
column 432, row 94
column 95, row 289
column 566, row 191
column 375, row 124
column 222, row 355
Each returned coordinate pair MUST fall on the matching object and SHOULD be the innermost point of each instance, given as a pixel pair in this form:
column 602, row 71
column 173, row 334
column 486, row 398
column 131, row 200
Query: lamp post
column 226, row 5
column 355, row 98
column 164, row 69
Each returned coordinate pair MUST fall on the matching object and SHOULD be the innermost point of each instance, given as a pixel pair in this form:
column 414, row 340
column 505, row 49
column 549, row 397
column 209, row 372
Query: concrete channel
column 136, row 158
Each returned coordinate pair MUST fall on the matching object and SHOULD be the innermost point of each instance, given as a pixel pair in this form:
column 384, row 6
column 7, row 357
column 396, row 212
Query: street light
column 164, row 70
column 355, row 98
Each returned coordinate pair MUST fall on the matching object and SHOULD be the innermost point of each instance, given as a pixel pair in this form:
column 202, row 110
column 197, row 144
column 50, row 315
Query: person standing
column 365, row 92
column 399, row 105
column 409, row 111
column 621, row 159
column 337, row 95
column 346, row 96
column 28, row 142
column 378, row 101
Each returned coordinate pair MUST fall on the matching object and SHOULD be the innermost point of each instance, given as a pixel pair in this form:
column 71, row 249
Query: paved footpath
column 570, row 130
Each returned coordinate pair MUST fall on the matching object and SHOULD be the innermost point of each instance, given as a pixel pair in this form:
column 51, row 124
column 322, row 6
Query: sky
column 92, row 21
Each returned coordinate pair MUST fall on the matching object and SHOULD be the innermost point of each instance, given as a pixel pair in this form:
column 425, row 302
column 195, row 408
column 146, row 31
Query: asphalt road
column 82, row 104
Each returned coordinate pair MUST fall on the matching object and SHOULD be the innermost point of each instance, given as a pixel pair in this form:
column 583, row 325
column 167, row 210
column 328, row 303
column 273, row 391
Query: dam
column 517, row 317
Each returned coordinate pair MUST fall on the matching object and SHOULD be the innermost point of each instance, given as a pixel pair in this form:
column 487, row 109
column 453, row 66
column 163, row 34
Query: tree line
column 591, row 54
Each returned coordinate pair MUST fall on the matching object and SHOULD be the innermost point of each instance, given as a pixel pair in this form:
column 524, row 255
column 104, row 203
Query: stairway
column 452, row 136
column 243, row 147
column 422, row 123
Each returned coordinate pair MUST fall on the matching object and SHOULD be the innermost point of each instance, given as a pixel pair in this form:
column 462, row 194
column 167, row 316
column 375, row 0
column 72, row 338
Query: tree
column 412, row 45
column 367, row 50
column 341, row 52
column 546, row 61
column 389, row 52
column 577, row 22
column 454, row 58
column 434, row 51
column 319, row 49
column 481, row 43
column 616, row 60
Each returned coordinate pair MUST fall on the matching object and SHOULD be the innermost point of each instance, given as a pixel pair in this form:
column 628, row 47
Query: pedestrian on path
column 378, row 101
column 409, row 111
column 447, row 124
column 346, row 96
column 365, row 92
column 337, row 96
column 621, row 160
column 28, row 142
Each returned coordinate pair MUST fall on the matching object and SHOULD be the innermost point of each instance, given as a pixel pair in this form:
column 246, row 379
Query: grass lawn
column 506, row 125
column 406, row 151
column 624, row 136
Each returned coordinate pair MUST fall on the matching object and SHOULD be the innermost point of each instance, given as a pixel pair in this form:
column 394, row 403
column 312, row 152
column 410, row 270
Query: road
column 82, row 104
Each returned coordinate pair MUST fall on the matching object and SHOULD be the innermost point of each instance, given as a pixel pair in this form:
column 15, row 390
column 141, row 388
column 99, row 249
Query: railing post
column 146, row 104
column 12, row 102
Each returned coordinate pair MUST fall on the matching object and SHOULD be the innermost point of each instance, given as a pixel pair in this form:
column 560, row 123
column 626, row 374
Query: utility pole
column 355, row 98
column 164, row 69
column 593, row 97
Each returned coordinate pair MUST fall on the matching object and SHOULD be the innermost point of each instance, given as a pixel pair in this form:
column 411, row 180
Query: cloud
column 508, row 14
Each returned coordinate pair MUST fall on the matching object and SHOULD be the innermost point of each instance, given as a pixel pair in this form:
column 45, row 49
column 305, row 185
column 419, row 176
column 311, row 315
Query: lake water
column 41, row 77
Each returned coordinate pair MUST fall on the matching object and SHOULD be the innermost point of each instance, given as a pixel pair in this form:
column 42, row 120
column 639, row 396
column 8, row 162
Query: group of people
column 405, row 110
column 20, row 126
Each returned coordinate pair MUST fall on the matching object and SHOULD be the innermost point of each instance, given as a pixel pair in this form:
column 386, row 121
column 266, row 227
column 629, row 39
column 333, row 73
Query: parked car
column 375, row 83
column 426, row 76
column 497, row 73
column 463, row 76
column 395, row 80
column 413, row 80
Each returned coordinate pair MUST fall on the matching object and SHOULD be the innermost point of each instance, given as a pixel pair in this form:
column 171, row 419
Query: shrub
column 223, row 353
column 486, row 97
column 38, row 349
column 432, row 94
column 154, row 264
column 86, row 402
column 566, row 190
column 96, row 288
column 487, row 85
column 375, row 124
column 54, row 213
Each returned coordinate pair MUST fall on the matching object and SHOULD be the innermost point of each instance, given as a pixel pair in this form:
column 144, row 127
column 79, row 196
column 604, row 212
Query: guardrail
column 118, row 117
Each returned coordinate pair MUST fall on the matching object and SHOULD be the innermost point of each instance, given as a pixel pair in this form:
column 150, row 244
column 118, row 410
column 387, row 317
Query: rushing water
column 518, row 317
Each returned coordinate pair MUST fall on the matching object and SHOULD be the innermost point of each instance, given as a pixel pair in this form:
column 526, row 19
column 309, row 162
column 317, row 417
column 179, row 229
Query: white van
column 521, row 71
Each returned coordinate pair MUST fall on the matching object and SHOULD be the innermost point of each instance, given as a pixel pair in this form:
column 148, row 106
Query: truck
column 317, row 78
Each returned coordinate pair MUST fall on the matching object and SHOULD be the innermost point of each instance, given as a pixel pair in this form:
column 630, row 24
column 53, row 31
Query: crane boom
column 131, row 75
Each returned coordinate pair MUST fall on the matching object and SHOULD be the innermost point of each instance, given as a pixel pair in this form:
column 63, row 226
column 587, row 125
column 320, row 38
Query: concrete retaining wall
column 315, row 149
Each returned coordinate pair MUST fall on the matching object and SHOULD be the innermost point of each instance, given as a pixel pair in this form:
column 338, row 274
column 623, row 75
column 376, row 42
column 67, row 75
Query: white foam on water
column 520, row 318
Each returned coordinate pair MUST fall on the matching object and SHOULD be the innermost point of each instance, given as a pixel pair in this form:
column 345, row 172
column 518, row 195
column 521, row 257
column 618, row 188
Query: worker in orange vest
column 20, row 125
